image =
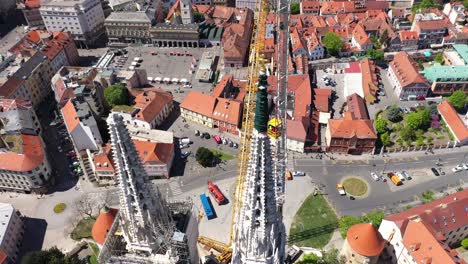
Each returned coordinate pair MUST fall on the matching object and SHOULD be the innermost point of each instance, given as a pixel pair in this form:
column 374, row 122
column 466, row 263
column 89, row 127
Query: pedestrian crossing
column 175, row 188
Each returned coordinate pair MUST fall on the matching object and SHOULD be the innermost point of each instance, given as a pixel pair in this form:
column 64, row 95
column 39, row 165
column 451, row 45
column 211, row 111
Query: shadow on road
column 34, row 233
column 309, row 233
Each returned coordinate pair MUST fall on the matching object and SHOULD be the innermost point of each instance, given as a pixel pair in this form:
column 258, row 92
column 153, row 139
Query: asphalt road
column 327, row 173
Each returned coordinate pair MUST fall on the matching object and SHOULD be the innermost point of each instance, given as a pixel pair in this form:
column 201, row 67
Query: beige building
column 363, row 244
column 11, row 233
column 123, row 28
column 169, row 35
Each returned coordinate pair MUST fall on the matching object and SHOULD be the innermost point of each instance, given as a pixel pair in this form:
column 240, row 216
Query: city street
column 327, row 173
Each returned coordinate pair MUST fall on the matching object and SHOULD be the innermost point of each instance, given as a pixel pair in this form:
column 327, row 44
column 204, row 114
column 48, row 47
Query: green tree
column 384, row 39
column 439, row 58
column 433, row 109
column 50, row 256
column 295, row 8
column 418, row 120
column 198, row 17
column 464, row 243
column 465, row 3
column 381, row 125
column 346, row 222
column 458, row 100
column 394, row 113
column 205, row 157
column 329, row 257
column 375, row 217
column 116, row 94
column 407, row 134
column 377, row 55
column 385, row 138
column 333, row 43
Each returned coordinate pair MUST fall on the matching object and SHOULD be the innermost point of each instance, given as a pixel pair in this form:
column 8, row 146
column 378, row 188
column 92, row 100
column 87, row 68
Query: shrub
column 381, row 125
column 116, row 95
column 418, row 120
column 295, row 8
column 428, row 196
column 458, row 100
column 205, row 157
column 394, row 113
column 435, row 121
column 59, row 208
column 385, row 138
column 429, row 140
column 407, row 134
column 464, row 243
column 419, row 141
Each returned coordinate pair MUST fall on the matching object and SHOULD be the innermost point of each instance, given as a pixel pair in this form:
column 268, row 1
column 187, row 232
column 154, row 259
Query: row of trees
column 328, row 257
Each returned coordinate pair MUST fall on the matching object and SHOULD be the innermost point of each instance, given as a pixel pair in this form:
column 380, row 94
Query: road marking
column 175, row 188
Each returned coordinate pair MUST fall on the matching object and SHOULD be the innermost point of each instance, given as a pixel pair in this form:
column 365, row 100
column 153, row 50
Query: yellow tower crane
column 256, row 63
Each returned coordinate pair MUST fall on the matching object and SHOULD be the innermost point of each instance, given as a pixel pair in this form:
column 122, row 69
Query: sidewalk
column 404, row 154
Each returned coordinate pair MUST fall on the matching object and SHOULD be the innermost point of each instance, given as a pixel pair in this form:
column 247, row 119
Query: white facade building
column 186, row 11
column 11, row 232
column 83, row 19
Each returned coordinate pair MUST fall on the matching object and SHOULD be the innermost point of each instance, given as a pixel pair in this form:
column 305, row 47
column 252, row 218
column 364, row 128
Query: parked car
column 298, row 173
column 459, row 168
column 421, row 98
column 406, row 175
column 185, row 154
column 197, row 132
column 374, row 176
column 235, row 145
column 435, row 171
column 206, row 135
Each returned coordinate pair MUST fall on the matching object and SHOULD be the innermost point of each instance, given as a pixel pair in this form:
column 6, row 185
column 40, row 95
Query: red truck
column 216, row 193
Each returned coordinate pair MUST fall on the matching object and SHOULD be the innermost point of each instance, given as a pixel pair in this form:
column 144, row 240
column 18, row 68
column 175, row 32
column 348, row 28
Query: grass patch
column 83, row 229
column 313, row 224
column 428, row 196
column 222, row 155
column 123, row 108
column 355, row 186
column 93, row 259
column 59, row 208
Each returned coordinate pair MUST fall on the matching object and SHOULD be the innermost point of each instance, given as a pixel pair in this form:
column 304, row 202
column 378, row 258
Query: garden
column 418, row 127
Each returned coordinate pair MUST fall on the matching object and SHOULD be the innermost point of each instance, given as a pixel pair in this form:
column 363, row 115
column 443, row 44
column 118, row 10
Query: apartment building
column 58, row 46
column 123, row 28
column 81, row 125
column 32, row 14
column 150, row 110
column 83, row 19
column 350, row 135
column 409, row 40
column 450, row 77
column 28, row 79
column 405, row 78
column 430, row 32
column 11, row 233
column 424, row 234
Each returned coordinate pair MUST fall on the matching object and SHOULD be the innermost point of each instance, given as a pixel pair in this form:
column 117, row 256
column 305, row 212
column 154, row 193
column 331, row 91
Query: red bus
column 217, row 139
column 216, row 193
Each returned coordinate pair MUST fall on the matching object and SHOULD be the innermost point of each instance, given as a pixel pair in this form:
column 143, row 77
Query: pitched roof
column 365, row 239
column 103, row 160
column 424, row 247
column 357, row 106
column 297, row 129
column 199, row 103
column 154, row 153
column 32, row 3
column 10, row 86
column 438, row 214
column 322, row 99
column 222, row 85
column 70, row 116
column 431, row 24
column 151, row 103
column 349, row 128
column 28, row 159
column 369, row 80
column 227, row 110
column 406, row 70
column 453, row 120
column 408, row 35
column 360, row 36
column 103, row 224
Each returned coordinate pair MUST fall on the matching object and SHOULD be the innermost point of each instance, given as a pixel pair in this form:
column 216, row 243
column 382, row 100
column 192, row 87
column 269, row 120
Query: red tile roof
column 349, row 128
column 369, row 80
column 408, row 35
column 365, row 240
column 31, row 157
column 431, row 24
column 103, row 224
column 32, row 4
column 70, row 116
column 151, row 104
column 228, row 111
column 311, row 6
column 154, row 153
column 406, row 70
column 3, row 257
column 360, row 36
column 322, row 99
column 199, row 103
column 10, row 86
column 453, row 120
column 103, row 160
column 357, row 106
column 424, row 247
column 297, row 129
column 450, row 207
column 225, row 82
column 354, row 67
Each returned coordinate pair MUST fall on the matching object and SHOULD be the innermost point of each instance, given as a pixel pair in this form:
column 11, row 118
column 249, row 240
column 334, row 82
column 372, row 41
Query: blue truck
column 209, row 211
